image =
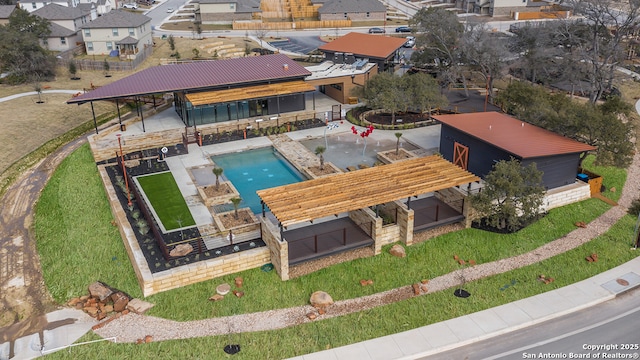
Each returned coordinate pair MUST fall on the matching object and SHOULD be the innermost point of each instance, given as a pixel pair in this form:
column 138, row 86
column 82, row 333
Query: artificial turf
column 167, row 200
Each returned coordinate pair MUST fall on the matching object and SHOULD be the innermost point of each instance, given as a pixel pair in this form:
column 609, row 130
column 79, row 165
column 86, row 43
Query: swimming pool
column 254, row 170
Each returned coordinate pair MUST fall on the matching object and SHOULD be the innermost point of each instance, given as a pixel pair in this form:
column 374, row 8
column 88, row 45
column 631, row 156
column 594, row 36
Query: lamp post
column 124, row 170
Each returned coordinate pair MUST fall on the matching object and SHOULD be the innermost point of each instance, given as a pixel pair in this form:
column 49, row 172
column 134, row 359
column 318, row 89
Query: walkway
column 31, row 93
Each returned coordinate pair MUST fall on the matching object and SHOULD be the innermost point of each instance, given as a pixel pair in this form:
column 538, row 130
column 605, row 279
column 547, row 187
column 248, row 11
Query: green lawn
column 166, row 199
column 78, row 245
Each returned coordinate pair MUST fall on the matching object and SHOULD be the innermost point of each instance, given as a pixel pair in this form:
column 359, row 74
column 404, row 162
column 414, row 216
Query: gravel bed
column 132, row 327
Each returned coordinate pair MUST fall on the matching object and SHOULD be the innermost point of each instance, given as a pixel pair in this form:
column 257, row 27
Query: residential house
column 500, row 7
column 354, row 10
column 226, row 11
column 101, row 6
column 34, row 5
column 119, row 31
column 65, row 23
column 5, row 13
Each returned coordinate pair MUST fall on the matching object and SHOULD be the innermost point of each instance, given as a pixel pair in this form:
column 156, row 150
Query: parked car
column 403, row 29
column 411, row 42
column 170, row 10
column 130, row 6
column 376, row 30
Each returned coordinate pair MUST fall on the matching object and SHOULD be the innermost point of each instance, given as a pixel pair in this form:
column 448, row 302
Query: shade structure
column 248, row 92
column 332, row 195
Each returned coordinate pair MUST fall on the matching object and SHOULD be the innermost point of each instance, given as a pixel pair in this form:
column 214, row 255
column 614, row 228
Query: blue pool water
column 253, row 170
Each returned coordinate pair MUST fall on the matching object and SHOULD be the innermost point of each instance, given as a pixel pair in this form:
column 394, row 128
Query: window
column 368, row 14
column 132, row 31
column 232, row 6
column 87, row 32
column 89, row 46
column 33, row 5
column 114, row 31
column 63, row 40
column 345, row 15
column 109, row 45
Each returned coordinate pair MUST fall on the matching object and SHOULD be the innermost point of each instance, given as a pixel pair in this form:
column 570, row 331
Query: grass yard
column 75, row 238
column 567, row 268
column 166, row 199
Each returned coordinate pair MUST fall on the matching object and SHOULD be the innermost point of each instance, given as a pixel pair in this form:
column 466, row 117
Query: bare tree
column 606, row 26
column 261, row 32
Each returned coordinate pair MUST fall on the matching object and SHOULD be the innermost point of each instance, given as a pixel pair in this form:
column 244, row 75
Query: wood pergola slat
column 249, row 92
column 317, row 198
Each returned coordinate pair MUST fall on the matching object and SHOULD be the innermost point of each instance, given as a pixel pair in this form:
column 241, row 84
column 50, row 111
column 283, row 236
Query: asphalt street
column 608, row 329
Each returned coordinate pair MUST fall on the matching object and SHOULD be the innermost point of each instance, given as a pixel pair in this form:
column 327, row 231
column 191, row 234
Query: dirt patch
column 228, row 220
column 326, row 170
column 212, row 191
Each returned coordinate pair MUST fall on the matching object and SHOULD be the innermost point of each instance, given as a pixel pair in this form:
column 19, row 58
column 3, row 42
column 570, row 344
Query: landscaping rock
column 239, row 281
column 148, row 339
column 416, row 289
column 311, row 316
column 238, row 293
column 363, row 282
column 223, row 289
column 120, row 301
column 100, row 291
column 216, row 297
column 181, row 250
column 320, row 299
column 139, row 306
column 398, row 251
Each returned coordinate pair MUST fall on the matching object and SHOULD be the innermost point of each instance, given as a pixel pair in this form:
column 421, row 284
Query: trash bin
column 583, row 177
column 123, row 127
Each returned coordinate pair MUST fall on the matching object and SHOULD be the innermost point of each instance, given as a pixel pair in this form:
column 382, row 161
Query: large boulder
column 181, row 250
column 320, row 299
column 398, row 251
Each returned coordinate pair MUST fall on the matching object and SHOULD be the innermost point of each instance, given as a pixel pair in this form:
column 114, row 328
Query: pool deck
column 426, row 138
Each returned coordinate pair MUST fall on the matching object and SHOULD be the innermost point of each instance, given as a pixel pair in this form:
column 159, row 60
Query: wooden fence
column 114, row 63
column 310, row 24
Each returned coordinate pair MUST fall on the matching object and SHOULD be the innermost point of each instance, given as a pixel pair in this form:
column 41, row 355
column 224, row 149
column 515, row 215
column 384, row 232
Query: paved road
column 614, row 323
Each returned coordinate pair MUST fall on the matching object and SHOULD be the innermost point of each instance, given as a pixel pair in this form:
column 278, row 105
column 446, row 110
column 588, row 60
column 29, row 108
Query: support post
column 93, row 112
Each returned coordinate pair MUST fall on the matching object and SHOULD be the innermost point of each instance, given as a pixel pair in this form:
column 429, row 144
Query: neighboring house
column 226, row 11
column 354, row 10
column 476, row 141
column 5, row 13
column 101, row 6
column 122, row 31
column 65, row 23
column 500, row 7
column 382, row 50
column 32, row 6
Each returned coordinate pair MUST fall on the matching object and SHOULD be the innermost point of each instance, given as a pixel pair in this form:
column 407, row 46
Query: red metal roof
column 365, row 45
column 204, row 75
column 512, row 135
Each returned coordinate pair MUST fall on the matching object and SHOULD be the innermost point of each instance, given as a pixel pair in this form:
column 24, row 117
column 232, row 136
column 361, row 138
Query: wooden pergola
column 332, row 195
column 248, row 92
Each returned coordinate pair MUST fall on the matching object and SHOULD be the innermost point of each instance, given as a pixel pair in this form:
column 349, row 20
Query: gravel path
column 132, row 327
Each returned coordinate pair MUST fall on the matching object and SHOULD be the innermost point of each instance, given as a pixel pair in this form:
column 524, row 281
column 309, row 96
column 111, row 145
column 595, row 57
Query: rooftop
column 365, row 45
column 198, row 76
column 512, row 135
column 351, row 6
column 117, row 19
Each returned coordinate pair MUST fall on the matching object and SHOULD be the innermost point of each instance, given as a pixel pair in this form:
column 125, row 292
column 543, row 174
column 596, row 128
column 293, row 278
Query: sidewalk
column 464, row 330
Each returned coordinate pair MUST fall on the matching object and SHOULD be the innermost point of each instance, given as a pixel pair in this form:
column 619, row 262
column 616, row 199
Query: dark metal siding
column 559, row 170
column 482, row 155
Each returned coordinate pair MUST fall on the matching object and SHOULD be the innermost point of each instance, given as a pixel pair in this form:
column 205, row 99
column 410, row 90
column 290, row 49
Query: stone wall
column 566, row 195
column 364, row 218
column 405, row 222
column 151, row 283
column 278, row 249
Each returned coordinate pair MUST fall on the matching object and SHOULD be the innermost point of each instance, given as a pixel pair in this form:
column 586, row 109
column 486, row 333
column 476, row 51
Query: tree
column 172, row 42
column 398, row 136
column 437, row 36
column 261, row 32
column 385, row 91
column 423, row 93
column 20, row 52
column 511, row 197
column 605, row 126
column 217, row 171
column 236, row 202
column 606, row 27
column 485, row 52
column 319, row 151
column 73, row 70
column 106, row 67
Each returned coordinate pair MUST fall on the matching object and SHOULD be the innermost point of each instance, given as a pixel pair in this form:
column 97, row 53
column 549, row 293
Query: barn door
column 460, row 155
